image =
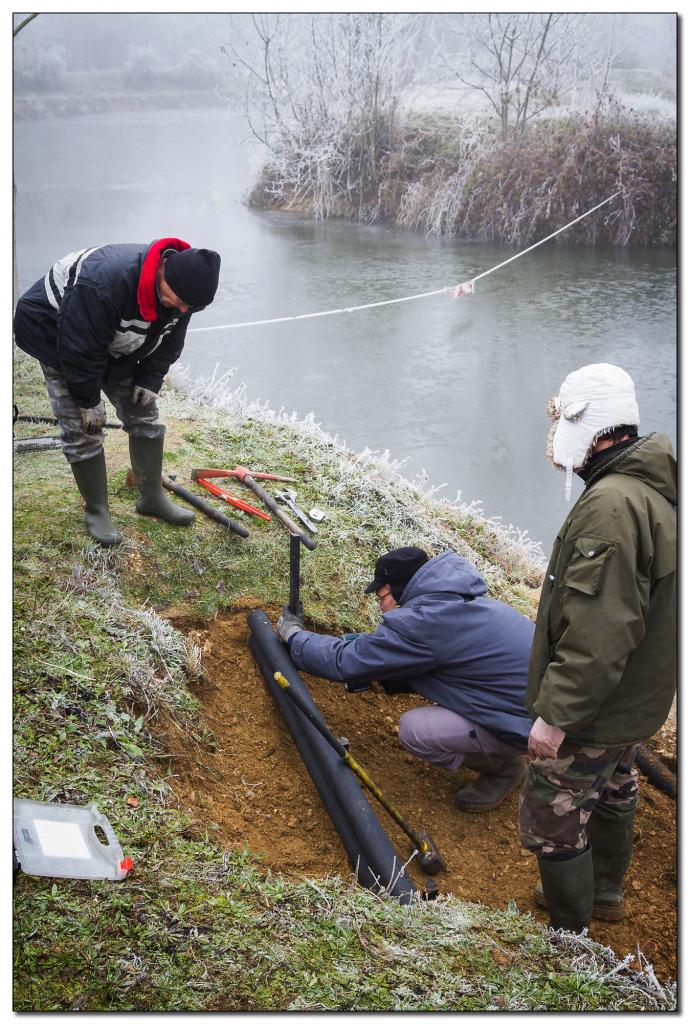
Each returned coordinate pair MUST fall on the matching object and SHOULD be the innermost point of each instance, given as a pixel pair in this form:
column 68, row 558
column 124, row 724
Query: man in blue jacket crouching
column 443, row 638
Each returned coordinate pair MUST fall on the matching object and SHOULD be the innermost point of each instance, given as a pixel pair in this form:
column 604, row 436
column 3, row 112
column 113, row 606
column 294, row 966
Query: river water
column 458, row 387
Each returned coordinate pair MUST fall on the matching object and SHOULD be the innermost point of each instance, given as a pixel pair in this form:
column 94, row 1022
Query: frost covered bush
column 459, row 179
column 519, row 192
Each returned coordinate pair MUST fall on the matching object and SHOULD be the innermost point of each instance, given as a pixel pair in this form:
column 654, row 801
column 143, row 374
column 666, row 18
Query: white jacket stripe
column 64, row 272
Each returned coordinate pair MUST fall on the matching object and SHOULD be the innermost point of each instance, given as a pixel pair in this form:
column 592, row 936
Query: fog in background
column 151, row 52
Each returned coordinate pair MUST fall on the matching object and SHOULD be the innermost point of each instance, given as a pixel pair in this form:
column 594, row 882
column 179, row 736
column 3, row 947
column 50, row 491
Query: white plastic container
column 60, row 841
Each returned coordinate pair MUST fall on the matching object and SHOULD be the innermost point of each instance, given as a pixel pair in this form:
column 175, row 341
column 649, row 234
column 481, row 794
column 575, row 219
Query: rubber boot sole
column 600, row 911
column 483, row 808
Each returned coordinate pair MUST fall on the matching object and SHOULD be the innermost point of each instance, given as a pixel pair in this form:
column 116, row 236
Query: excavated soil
column 255, row 787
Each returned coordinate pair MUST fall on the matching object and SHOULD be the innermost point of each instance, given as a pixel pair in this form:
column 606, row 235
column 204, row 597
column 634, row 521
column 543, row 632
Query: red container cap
column 127, row 864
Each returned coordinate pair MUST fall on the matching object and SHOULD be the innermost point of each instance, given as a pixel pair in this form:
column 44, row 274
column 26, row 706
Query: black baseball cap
column 397, row 567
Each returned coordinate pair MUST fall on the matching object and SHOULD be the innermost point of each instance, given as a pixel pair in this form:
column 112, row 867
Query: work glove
column 544, row 739
column 142, row 396
column 93, row 420
column 289, row 624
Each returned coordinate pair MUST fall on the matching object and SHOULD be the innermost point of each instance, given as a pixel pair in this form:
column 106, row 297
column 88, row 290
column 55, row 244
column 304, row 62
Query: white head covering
column 590, row 402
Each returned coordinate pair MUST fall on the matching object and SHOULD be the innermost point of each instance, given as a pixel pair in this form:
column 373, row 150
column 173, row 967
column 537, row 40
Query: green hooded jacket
column 603, row 662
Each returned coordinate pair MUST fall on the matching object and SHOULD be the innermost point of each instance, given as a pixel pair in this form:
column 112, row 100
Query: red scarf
column 146, row 290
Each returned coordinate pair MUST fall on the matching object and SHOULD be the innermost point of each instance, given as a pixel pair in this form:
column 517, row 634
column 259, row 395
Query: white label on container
column 61, row 839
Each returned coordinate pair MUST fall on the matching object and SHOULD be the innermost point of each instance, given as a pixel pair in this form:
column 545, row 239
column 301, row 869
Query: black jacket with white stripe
column 96, row 317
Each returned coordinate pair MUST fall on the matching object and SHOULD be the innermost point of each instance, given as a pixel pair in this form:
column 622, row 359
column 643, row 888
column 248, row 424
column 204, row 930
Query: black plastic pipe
column 298, row 730
column 369, row 849
column 342, row 799
column 349, row 811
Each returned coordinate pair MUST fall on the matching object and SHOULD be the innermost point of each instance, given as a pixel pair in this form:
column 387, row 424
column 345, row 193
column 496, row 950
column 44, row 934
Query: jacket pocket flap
column 586, row 564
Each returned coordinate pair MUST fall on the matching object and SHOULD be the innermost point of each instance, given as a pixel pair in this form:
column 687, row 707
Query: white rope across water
column 466, row 288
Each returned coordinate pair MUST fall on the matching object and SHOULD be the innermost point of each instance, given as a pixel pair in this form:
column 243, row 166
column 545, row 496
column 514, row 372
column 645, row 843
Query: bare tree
column 519, row 61
column 322, row 94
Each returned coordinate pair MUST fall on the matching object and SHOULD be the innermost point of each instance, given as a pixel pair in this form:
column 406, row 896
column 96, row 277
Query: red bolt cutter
column 231, row 500
column 201, row 476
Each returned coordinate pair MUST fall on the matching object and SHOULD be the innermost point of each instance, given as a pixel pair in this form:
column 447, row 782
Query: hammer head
column 429, row 858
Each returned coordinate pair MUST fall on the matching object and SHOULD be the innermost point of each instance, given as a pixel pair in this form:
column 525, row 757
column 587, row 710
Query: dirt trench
column 255, row 787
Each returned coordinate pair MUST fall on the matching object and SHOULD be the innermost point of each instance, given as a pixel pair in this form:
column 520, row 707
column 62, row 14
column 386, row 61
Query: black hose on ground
column 651, row 767
column 369, row 849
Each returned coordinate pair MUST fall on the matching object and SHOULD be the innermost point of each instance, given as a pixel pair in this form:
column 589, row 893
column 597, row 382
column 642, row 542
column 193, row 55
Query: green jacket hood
column 650, row 460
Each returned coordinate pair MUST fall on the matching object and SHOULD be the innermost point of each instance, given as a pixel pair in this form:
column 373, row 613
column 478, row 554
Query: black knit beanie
column 193, row 275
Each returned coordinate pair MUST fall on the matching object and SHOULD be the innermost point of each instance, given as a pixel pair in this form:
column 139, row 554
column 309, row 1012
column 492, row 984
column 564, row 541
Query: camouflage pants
column 560, row 794
column 77, row 445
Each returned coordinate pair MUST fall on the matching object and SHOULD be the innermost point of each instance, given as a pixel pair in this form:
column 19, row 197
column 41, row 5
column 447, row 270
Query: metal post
column 294, row 604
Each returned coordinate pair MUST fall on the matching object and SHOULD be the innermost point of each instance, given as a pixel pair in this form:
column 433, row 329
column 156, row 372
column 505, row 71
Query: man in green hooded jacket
column 602, row 673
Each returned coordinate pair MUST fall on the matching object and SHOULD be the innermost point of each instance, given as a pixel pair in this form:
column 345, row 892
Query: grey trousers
column 137, row 420
column 443, row 737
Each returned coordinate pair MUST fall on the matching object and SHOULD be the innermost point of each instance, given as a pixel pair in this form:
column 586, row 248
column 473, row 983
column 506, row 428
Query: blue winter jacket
column 451, row 643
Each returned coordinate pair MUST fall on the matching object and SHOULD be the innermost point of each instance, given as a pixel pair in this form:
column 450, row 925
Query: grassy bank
column 457, row 178
column 98, row 667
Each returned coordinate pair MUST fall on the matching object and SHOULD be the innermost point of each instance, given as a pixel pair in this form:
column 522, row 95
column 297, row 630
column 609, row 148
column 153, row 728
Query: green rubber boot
column 568, row 887
column 92, row 481
column 146, row 455
column 499, row 774
column 611, row 839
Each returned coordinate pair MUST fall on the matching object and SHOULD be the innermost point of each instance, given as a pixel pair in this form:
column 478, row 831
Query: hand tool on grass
column 245, row 477
column 224, row 495
column 197, row 502
column 429, row 857
column 288, row 497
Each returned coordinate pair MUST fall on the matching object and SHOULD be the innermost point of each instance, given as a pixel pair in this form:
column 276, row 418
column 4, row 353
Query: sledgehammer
column 429, row 857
